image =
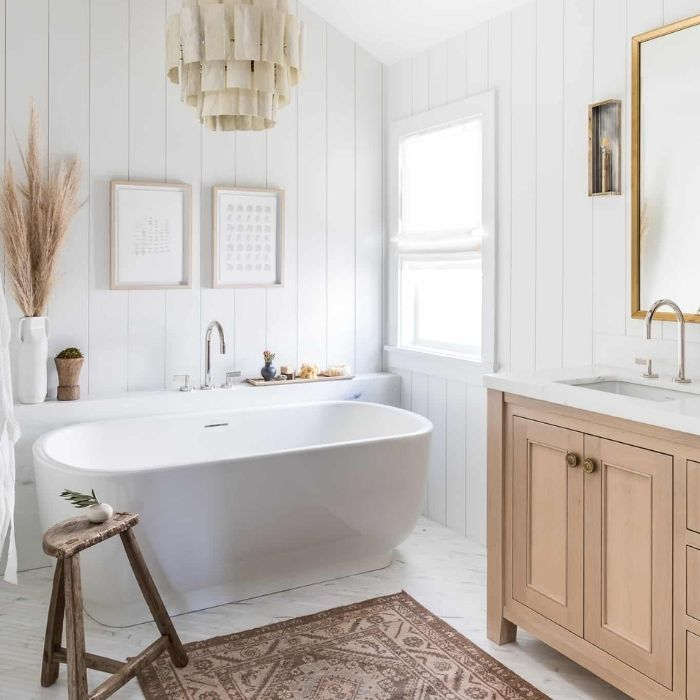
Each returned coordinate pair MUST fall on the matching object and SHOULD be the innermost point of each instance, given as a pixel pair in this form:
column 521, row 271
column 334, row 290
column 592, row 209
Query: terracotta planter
column 68, row 378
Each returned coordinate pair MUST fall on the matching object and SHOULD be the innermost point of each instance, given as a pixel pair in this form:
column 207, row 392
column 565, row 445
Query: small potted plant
column 96, row 512
column 69, row 362
column 269, row 371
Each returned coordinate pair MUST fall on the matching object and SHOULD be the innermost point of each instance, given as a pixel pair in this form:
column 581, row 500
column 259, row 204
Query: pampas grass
column 36, row 216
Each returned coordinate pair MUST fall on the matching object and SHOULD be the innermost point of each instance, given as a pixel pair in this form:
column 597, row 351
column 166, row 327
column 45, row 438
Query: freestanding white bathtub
column 239, row 504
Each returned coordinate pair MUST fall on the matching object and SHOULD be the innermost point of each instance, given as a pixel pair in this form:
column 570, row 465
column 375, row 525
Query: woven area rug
column 387, row 648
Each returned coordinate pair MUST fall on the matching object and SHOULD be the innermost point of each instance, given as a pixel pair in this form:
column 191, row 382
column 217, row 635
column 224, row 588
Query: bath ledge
column 567, row 388
column 242, row 394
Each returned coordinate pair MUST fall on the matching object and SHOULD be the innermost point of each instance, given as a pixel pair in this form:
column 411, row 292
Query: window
column 441, row 180
column 441, row 221
column 433, row 317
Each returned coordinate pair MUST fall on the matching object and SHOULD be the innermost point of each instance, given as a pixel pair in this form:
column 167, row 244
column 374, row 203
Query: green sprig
column 80, row 500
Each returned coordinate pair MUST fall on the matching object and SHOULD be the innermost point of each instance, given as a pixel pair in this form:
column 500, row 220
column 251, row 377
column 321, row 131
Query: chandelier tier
column 236, row 61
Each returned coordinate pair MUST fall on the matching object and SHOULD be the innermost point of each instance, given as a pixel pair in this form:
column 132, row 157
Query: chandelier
column 236, row 61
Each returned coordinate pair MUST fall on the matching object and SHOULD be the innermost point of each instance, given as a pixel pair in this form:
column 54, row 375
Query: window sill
column 435, row 364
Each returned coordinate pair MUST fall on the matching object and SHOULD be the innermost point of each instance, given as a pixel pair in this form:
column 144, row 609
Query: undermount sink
column 638, row 391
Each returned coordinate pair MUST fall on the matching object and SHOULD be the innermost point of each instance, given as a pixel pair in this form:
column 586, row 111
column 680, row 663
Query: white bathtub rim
column 424, row 427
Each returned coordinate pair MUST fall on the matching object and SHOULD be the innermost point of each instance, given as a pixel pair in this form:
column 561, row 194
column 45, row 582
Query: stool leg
column 75, row 632
column 153, row 599
column 54, row 627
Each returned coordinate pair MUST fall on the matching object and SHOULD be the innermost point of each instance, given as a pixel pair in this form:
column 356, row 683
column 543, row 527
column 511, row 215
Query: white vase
column 32, row 359
column 99, row 513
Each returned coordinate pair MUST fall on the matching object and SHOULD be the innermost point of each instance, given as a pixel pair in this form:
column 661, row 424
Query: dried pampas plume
column 36, row 216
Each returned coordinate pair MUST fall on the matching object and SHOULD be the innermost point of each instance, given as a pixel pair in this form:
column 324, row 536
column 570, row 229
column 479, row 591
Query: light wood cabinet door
column 629, row 555
column 548, row 521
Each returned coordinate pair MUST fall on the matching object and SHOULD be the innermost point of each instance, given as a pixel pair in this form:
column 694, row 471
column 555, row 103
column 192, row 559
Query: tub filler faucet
column 207, row 351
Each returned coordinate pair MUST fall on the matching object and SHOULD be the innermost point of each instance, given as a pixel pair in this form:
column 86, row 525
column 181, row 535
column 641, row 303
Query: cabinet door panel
column 692, row 666
column 629, row 556
column 548, row 522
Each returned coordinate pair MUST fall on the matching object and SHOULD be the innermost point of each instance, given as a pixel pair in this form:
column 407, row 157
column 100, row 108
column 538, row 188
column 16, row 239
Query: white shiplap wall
column 563, row 258
column 95, row 69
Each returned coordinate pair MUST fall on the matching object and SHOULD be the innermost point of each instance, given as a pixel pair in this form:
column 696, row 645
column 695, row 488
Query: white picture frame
column 248, row 237
column 150, row 235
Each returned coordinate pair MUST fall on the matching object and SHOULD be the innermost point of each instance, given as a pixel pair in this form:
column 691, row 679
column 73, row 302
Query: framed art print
column 248, row 249
column 151, row 236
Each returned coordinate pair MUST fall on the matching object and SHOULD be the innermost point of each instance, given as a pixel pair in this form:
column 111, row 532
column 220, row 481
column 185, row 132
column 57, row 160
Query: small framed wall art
column 248, row 247
column 151, row 235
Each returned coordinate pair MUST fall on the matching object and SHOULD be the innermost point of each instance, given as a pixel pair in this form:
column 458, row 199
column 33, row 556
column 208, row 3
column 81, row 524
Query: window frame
column 479, row 106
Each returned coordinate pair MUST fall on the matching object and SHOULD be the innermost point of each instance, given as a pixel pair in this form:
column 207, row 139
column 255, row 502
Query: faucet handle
column 230, row 376
column 187, row 386
column 649, row 374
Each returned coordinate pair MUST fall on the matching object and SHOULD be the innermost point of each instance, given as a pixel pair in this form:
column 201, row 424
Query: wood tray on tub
column 259, row 381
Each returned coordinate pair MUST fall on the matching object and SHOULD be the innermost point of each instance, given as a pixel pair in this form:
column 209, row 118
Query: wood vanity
column 594, row 541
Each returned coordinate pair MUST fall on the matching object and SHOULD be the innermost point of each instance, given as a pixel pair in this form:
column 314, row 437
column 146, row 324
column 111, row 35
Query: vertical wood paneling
column 419, row 394
column 218, row 168
column 247, row 335
column 312, row 271
column 609, row 81
column 341, row 203
column 437, row 406
column 455, row 456
column 96, row 73
column 577, row 231
column 550, row 166
column 282, row 172
column 500, row 76
column 478, row 59
column 399, row 89
column 406, row 379
column 457, row 68
column 109, row 159
column 476, row 464
column 183, row 159
column 679, row 9
column 26, row 80
column 421, row 83
column 563, row 270
column 419, row 404
column 69, row 135
column 524, row 184
column 438, row 75
column 26, row 70
column 369, row 214
column 147, row 108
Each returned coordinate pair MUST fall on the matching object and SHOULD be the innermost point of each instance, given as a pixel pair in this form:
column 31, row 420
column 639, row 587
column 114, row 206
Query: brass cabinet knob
column 589, row 466
column 571, row 459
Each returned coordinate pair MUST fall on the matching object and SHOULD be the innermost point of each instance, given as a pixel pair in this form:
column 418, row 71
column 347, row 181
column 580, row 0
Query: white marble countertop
column 682, row 414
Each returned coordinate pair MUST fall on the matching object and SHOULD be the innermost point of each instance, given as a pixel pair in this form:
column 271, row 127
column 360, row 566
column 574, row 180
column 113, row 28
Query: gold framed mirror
column 666, row 169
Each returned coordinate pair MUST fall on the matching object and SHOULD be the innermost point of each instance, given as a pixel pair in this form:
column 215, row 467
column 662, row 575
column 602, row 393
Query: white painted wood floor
column 443, row 571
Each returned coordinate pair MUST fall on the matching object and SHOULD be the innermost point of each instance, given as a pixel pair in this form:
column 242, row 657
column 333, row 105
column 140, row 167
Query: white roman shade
column 236, row 61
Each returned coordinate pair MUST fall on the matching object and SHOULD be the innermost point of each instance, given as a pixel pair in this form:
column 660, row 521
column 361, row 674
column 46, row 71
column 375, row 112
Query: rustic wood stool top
column 76, row 534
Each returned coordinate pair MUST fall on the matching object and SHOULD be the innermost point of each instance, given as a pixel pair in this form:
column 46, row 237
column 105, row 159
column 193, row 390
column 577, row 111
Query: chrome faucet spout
column 681, row 378
column 214, row 325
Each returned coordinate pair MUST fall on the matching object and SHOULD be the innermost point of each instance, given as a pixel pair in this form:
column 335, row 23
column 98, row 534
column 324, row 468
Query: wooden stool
column 64, row 541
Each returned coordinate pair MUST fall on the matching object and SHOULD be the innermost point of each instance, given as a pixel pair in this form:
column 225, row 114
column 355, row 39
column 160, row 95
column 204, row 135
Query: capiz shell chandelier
column 236, row 60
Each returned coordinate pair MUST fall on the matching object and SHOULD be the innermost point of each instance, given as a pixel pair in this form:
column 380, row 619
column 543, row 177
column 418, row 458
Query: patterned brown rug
column 387, row 648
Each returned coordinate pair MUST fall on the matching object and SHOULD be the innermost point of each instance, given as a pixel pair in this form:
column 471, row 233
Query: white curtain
column 9, row 434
